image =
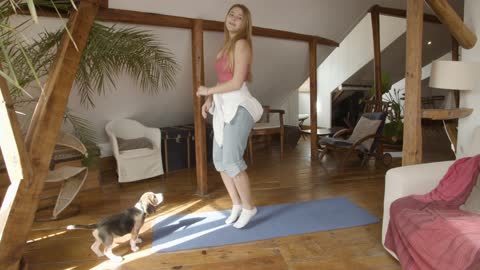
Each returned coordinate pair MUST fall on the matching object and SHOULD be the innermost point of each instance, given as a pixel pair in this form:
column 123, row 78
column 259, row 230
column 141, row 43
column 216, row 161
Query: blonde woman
column 234, row 111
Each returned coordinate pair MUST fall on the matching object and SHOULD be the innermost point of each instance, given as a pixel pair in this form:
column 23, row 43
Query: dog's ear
column 149, row 201
column 150, row 209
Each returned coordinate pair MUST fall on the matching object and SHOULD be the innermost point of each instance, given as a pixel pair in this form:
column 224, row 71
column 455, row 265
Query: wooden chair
column 266, row 127
column 368, row 145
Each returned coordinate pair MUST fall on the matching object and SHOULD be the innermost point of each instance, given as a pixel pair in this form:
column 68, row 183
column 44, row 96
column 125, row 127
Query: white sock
column 234, row 214
column 245, row 217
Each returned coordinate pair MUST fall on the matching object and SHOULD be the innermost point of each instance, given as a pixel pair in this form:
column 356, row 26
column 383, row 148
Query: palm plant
column 109, row 51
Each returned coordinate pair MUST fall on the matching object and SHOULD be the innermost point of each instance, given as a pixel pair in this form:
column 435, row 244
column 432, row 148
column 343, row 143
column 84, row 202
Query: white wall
column 279, row 68
column 426, row 91
column 355, row 51
column 469, row 127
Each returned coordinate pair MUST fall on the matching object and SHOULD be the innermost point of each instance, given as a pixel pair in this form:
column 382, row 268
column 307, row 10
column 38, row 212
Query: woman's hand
column 202, row 91
column 205, row 107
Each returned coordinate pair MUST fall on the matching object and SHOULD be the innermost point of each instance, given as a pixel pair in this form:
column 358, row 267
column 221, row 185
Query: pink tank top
column 224, row 74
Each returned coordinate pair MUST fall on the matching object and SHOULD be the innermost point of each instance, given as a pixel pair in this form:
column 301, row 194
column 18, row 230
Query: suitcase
column 179, row 146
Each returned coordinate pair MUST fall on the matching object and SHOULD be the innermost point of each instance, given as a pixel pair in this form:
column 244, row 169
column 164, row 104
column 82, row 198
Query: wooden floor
column 291, row 179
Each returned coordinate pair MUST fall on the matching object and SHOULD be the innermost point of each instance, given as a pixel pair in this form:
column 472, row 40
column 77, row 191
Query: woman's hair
column 245, row 32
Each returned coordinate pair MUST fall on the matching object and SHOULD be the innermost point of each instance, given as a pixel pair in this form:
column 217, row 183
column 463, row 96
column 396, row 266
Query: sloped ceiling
column 393, row 57
column 279, row 67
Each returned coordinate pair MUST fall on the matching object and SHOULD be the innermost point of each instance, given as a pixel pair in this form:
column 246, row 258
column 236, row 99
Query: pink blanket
column 430, row 232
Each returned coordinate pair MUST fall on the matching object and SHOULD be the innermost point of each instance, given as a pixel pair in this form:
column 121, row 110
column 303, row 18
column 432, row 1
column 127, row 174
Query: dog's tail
column 82, row 227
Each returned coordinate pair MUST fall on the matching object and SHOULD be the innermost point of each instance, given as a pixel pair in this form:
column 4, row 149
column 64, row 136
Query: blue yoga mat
column 200, row 230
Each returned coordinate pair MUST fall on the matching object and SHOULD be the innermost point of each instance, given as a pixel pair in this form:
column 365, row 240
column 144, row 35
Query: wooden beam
column 15, row 157
column 272, row 33
column 49, row 111
column 401, row 13
column 312, row 48
column 104, row 3
column 447, row 15
column 145, row 18
column 377, row 62
column 456, row 57
column 446, row 114
column 199, row 79
column 412, row 132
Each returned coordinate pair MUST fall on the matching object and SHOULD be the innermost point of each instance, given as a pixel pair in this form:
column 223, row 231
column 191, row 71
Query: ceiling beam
column 453, row 22
column 272, row 33
column 401, row 13
column 145, row 18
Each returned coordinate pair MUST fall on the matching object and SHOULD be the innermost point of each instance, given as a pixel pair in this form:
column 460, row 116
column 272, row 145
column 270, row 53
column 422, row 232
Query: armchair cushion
column 364, row 128
column 137, row 143
column 144, row 159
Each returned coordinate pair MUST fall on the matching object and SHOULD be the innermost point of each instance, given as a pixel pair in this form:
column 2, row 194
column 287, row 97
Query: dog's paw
column 135, row 248
column 138, row 240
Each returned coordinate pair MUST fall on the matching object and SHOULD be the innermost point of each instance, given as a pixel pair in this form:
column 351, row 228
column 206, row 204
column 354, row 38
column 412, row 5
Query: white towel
column 225, row 107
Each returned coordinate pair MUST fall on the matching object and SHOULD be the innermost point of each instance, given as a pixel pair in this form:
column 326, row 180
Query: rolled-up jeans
column 228, row 158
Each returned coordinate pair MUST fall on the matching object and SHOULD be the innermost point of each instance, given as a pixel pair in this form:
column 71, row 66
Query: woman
column 234, row 111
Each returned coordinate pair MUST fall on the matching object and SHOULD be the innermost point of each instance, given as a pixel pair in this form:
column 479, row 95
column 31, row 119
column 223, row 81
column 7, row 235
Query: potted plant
column 393, row 129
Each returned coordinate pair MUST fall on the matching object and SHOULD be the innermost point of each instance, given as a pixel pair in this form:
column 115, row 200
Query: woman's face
column 235, row 20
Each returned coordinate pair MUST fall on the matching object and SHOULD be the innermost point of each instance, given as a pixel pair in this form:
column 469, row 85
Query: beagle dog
column 129, row 221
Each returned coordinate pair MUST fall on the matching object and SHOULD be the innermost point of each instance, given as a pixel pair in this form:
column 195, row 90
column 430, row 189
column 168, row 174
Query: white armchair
column 135, row 164
column 409, row 180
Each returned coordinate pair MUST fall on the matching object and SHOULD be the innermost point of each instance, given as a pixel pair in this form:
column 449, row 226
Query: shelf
column 444, row 114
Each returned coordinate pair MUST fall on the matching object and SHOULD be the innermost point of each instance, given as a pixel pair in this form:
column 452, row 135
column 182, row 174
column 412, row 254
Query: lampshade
column 456, row 75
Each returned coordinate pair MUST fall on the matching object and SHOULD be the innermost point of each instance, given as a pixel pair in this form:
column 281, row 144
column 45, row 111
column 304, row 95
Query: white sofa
column 408, row 180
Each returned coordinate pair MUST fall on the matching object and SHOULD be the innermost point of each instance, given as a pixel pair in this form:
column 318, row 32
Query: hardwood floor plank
column 294, row 178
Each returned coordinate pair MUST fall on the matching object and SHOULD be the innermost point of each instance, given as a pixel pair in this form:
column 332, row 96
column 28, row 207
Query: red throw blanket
column 430, row 232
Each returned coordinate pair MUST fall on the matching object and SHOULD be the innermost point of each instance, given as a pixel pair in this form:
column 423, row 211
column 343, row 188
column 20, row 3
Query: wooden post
column 15, row 157
column 377, row 63
column 456, row 57
column 51, row 108
column 312, row 46
column 199, row 79
column 412, row 133
column 447, row 15
column 104, row 3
